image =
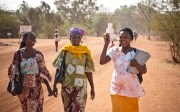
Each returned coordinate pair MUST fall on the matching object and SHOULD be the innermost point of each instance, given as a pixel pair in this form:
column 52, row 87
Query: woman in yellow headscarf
column 79, row 67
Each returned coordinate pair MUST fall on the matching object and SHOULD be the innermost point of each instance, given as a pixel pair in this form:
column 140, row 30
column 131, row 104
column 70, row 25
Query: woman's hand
column 92, row 94
column 133, row 63
column 105, row 58
column 55, row 91
column 141, row 69
column 106, row 38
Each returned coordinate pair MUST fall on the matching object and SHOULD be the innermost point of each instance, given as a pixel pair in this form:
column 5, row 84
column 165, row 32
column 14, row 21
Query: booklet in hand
column 141, row 57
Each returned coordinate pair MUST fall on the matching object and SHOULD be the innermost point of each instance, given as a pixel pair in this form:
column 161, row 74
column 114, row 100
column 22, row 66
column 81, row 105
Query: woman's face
column 75, row 39
column 30, row 40
column 124, row 38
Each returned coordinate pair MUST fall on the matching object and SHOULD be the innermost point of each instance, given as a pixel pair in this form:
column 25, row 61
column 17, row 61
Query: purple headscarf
column 77, row 30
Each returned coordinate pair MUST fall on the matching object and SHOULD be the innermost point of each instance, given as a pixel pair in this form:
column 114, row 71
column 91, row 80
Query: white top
column 123, row 83
column 56, row 38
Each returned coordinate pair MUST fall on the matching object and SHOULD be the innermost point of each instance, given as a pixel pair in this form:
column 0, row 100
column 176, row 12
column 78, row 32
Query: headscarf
column 77, row 50
column 76, row 30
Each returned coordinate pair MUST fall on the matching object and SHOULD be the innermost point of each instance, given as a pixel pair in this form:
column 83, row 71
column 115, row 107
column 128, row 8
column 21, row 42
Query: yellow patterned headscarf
column 77, row 50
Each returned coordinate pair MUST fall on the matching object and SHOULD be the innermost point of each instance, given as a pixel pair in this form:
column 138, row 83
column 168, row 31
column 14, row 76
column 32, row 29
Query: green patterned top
column 75, row 68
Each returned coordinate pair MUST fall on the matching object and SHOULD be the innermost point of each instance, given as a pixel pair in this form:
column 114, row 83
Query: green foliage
column 43, row 21
column 129, row 17
column 8, row 21
column 35, row 19
column 48, row 30
column 23, row 9
column 167, row 23
column 77, row 11
column 100, row 22
column 147, row 8
column 176, row 3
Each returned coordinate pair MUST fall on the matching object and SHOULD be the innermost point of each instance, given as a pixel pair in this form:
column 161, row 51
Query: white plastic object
column 110, row 30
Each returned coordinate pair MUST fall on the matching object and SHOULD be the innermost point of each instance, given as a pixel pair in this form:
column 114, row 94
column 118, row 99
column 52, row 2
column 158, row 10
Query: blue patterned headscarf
column 77, row 30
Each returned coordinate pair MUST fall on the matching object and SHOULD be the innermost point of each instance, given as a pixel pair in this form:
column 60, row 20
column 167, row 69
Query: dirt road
column 161, row 82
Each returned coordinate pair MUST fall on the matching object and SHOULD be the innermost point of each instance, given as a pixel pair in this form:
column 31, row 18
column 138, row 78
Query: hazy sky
column 109, row 4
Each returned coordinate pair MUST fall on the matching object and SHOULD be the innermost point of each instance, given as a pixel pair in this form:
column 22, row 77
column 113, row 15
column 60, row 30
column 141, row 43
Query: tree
column 51, row 20
column 167, row 23
column 147, row 8
column 23, row 9
column 100, row 22
column 35, row 19
column 129, row 16
column 8, row 22
column 77, row 11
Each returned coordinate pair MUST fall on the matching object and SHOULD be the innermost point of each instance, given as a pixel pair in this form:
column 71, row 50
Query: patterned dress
column 32, row 69
column 125, row 87
column 124, row 83
column 74, row 87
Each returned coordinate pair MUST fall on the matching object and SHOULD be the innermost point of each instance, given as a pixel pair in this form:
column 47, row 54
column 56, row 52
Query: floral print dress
column 32, row 70
column 124, row 83
column 74, row 87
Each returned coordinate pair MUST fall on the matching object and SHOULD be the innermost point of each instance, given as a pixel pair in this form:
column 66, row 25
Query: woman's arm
column 44, row 72
column 13, row 70
column 55, row 90
column 141, row 69
column 90, row 79
column 104, row 58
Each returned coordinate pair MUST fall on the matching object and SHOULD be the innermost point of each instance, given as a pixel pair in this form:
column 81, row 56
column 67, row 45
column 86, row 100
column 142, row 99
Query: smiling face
column 125, row 38
column 30, row 39
column 75, row 39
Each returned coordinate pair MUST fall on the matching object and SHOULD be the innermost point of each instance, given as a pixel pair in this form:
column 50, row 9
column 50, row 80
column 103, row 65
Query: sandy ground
column 161, row 82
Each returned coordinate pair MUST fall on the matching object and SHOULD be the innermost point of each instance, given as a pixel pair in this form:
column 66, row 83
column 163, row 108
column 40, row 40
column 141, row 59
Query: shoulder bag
column 15, row 86
column 60, row 73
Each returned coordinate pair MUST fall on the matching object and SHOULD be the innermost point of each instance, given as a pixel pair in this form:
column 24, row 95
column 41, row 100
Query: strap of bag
column 135, row 50
column 19, row 61
column 64, row 60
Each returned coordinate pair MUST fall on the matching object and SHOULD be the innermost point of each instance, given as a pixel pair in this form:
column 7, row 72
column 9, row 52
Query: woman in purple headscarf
column 79, row 67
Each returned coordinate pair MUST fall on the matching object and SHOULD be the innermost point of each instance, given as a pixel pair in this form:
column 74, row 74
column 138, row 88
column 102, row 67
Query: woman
column 33, row 70
column 79, row 68
column 125, row 87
